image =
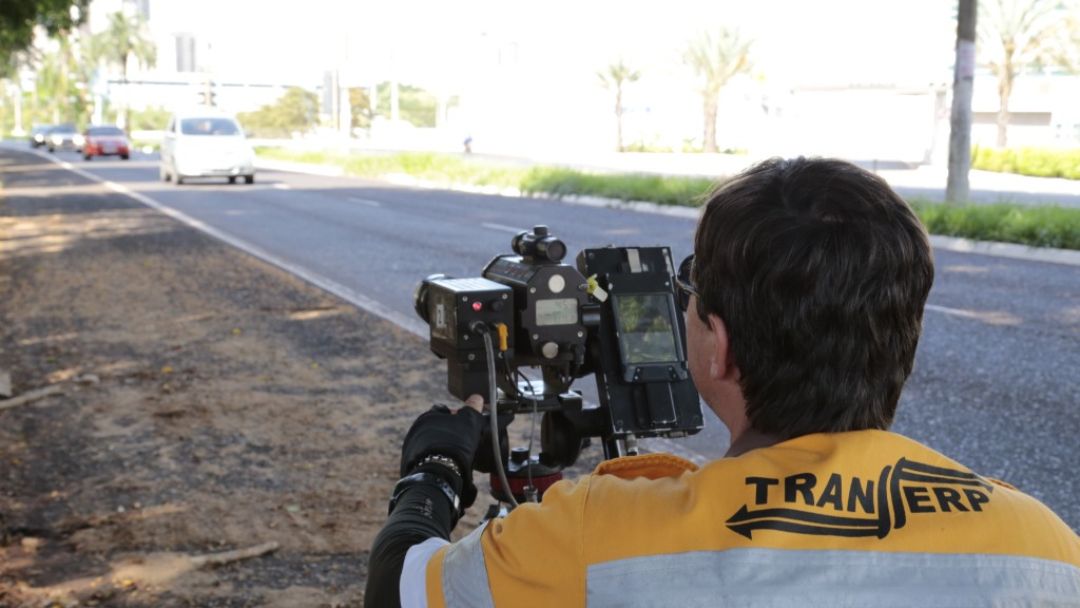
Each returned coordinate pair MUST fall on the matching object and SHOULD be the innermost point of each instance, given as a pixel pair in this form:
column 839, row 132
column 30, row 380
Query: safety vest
column 866, row 518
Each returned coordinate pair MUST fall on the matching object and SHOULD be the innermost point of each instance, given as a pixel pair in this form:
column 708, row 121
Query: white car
column 206, row 145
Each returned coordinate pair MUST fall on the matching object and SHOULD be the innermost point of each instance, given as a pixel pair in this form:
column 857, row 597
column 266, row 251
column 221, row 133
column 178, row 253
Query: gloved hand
column 444, row 432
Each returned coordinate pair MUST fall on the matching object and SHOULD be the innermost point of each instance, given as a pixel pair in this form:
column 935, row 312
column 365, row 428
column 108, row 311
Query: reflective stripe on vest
column 464, row 575
column 784, row 577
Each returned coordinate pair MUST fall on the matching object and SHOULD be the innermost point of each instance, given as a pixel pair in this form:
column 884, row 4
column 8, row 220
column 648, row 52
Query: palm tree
column 1015, row 35
column 121, row 41
column 716, row 58
column 614, row 77
column 61, row 83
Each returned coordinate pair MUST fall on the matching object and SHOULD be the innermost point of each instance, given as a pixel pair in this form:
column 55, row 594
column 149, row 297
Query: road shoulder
column 208, row 402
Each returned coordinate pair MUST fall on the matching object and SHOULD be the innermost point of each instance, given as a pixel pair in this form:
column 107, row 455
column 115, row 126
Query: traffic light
column 208, row 96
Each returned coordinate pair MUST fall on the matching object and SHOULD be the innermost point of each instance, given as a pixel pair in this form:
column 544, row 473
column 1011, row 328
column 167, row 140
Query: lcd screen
column 646, row 334
column 561, row 311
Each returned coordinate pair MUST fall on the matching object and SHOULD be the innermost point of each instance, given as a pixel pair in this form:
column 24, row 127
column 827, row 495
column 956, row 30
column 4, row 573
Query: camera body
column 613, row 314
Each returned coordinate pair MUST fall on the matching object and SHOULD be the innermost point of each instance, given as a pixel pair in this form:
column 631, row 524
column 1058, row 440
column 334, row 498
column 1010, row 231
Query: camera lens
column 420, row 296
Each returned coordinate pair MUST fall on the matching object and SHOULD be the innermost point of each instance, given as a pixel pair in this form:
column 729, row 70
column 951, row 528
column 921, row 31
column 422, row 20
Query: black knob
column 519, row 455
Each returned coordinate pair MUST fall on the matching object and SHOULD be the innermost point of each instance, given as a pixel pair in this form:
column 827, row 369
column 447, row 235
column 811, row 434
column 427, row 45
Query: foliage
column 1037, row 162
column 360, row 108
column 415, row 105
column 61, row 89
column 663, row 190
column 641, row 146
column 1039, row 226
column 122, row 39
column 297, row 111
column 1017, row 35
column 616, row 76
column 716, row 58
column 149, row 119
column 18, row 18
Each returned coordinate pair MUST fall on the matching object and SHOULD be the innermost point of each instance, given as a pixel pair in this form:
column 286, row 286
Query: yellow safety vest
column 866, row 518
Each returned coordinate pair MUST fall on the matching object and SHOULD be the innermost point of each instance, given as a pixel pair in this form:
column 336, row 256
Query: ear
column 721, row 364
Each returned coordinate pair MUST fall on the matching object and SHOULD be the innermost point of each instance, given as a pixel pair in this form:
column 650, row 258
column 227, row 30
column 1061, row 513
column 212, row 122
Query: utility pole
column 957, row 188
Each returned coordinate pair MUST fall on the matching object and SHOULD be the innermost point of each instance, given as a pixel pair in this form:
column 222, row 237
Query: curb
column 1014, row 251
column 947, row 243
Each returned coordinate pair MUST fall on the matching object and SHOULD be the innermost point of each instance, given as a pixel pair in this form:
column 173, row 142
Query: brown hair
column 820, row 273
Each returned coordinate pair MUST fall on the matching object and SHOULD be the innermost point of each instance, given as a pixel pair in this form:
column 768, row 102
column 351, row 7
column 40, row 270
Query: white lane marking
column 991, row 317
column 501, row 227
column 281, row 186
column 348, row 294
column 956, row 312
column 364, row 201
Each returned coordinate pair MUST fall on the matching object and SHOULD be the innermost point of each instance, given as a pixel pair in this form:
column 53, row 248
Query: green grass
column 663, row 190
column 423, row 165
column 1040, row 226
column 1036, row 162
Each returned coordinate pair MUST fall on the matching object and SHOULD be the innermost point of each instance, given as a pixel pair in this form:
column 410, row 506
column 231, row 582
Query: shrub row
column 1037, row 162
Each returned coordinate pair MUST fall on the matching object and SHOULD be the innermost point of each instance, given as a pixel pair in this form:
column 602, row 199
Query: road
column 995, row 385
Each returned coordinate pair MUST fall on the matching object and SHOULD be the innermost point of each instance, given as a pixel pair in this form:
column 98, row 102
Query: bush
column 663, row 190
column 1036, row 162
column 1038, row 226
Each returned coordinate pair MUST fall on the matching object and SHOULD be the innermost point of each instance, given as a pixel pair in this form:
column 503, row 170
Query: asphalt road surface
column 997, row 378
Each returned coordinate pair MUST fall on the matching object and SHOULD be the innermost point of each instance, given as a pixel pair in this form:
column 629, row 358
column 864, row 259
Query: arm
column 423, row 505
column 422, row 511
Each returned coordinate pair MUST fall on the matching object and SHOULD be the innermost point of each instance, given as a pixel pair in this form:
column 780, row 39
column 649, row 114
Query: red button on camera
column 477, row 306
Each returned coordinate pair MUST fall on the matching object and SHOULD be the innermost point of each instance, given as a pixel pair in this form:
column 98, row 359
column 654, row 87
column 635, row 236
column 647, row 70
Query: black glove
column 441, row 432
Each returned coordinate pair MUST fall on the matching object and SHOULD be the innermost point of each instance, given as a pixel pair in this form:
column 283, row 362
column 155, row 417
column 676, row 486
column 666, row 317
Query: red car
column 105, row 141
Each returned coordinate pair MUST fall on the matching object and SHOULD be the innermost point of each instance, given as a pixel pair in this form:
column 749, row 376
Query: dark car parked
column 105, row 141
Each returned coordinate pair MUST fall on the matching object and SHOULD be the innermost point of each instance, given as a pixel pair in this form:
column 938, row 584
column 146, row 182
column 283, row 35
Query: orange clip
column 503, row 334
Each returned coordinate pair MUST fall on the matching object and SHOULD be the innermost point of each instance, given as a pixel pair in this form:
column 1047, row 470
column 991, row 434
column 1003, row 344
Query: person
column 804, row 302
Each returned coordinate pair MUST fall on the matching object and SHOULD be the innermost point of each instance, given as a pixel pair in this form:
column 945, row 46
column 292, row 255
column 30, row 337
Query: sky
column 527, row 70
column 441, row 43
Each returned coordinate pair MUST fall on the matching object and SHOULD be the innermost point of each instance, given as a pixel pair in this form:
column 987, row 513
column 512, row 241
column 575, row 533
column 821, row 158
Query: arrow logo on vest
column 746, row 521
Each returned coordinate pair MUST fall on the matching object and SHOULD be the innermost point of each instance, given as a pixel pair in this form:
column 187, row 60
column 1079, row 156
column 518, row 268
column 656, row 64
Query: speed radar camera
column 612, row 314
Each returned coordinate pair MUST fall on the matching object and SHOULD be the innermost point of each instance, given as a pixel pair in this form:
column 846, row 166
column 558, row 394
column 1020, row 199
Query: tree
column 416, row 105
column 1017, row 35
column 716, row 58
column 18, row 18
column 121, row 41
column 61, row 85
column 296, row 111
column 613, row 78
column 360, row 108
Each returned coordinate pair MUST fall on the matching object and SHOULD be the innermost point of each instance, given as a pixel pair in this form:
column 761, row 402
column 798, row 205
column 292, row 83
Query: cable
column 490, row 349
column 532, row 430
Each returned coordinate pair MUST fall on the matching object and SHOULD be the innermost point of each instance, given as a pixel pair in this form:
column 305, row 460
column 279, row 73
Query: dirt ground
column 210, row 403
